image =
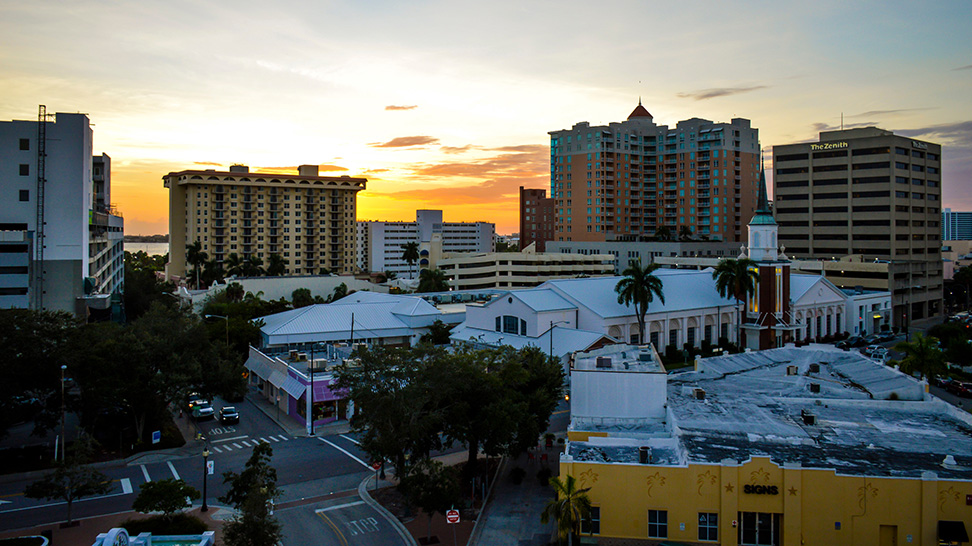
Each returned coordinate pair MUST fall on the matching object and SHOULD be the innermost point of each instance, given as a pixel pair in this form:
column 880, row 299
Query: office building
column 61, row 241
column 536, row 218
column 874, row 195
column 307, row 219
column 382, row 243
column 787, row 446
column 956, row 226
column 635, row 179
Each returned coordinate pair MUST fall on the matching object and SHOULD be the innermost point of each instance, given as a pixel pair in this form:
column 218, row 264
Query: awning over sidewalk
column 952, row 531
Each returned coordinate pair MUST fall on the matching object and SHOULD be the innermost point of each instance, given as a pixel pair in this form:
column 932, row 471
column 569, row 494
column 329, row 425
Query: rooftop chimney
column 239, row 169
column 308, row 170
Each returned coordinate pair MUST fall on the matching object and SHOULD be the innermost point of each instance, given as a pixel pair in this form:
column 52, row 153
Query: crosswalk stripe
column 346, row 452
column 350, row 439
column 247, row 444
column 145, row 473
column 284, row 438
column 172, row 468
column 237, row 446
column 216, row 449
column 274, row 439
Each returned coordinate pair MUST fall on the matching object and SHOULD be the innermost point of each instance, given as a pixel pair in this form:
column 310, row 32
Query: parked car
column 853, row 341
column 872, row 339
column 228, row 414
column 960, row 388
column 887, row 335
column 876, row 352
column 193, row 399
column 203, row 410
column 941, row 381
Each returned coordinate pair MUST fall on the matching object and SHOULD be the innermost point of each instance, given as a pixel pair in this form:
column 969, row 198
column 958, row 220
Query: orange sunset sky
column 447, row 104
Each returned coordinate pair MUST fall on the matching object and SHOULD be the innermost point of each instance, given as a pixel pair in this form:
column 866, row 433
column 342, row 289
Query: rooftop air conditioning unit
column 603, row 362
column 792, row 370
column 644, row 356
column 808, row 418
column 301, row 357
column 699, row 394
column 292, row 355
column 814, row 368
column 815, row 387
column 357, row 346
column 644, row 455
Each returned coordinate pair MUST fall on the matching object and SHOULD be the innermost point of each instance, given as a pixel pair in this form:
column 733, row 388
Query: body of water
column 152, row 249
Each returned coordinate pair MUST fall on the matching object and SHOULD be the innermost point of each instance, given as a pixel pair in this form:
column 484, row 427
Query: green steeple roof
column 763, row 214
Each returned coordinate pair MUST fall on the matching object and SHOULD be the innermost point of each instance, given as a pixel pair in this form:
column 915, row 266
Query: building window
column 592, row 525
column 24, row 170
column 25, row 195
column 759, row 529
column 25, row 144
column 708, row 526
column 657, row 524
column 654, row 339
column 708, row 334
column 510, row 324
column 691, row 336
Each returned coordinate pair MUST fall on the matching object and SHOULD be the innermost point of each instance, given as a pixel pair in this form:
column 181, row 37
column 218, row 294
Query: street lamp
column 205, row 454
column 63, row 438
column 550, row 331
column 227, row 325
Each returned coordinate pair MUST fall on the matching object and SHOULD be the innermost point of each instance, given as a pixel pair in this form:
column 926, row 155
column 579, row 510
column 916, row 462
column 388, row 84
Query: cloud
column 331, row 168
column 966, row 67
column 956, row 134
column 719, row 92
column 405, row 142
column 494, row 179
column 827, row 127
column 375, row 171
column 395, row 107
column 529, row 148
column 208, row 163
column 456, row 149
column 889, row 112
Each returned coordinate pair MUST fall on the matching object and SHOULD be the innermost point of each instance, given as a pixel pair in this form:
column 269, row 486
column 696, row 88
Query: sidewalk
column 512, row 516
column 289, row 425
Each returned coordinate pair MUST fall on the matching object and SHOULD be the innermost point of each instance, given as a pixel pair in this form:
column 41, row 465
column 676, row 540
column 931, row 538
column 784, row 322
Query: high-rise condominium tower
column 634, row 178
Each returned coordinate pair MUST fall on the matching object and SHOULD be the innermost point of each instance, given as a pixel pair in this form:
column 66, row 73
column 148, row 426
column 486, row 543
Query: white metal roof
column 683, row 290
column 565, row 340
column 539, row 300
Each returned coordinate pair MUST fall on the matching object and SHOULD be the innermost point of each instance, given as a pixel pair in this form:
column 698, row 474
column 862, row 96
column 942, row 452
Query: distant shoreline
column 146, row 238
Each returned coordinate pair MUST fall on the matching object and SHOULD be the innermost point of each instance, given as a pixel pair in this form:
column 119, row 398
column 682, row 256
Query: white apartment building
column 381, row 244
column 50, row 178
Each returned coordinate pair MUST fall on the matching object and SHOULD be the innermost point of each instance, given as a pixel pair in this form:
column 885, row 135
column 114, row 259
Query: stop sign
column 452, row 516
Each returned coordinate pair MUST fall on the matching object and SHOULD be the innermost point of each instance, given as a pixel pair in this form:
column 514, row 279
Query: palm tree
column 276, row 266
column 212, row 271
column 663, row 233
column 639, row 287
column 921, row 355
column 196, row 257
column 234, row 292
column 411, row 253
column 684, row 233
column 736, row 278
column 233, row 265
column 432, row 280
column 570, row 507
column 252, row 266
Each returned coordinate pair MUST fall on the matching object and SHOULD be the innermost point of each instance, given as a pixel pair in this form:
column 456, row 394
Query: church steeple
column 763, row 229
column 640, row 111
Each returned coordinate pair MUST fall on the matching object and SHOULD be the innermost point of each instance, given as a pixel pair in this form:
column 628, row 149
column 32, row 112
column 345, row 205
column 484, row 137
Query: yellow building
column 306, row 219
column 781, row 447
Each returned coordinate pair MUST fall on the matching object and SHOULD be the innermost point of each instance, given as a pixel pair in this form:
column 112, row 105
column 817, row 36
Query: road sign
column 376, row 465
column 156, row 436
column 210, row 467
column 452, row 516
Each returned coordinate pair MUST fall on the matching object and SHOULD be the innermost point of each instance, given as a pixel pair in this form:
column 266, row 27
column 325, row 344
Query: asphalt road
column 306, row 468
column 345, row 521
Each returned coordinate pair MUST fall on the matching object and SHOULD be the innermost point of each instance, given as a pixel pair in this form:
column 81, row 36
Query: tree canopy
column 432, row 280
column 409, row 401
column 252, row 492
column 168, row 496
column 71, row 480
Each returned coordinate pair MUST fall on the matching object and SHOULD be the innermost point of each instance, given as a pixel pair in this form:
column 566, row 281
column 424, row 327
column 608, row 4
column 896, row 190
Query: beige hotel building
column 307, row 219
column 871, row 195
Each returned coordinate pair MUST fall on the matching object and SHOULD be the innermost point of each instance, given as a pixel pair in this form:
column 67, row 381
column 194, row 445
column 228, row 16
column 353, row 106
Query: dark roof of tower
column 640, row 112
column 763, row 213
